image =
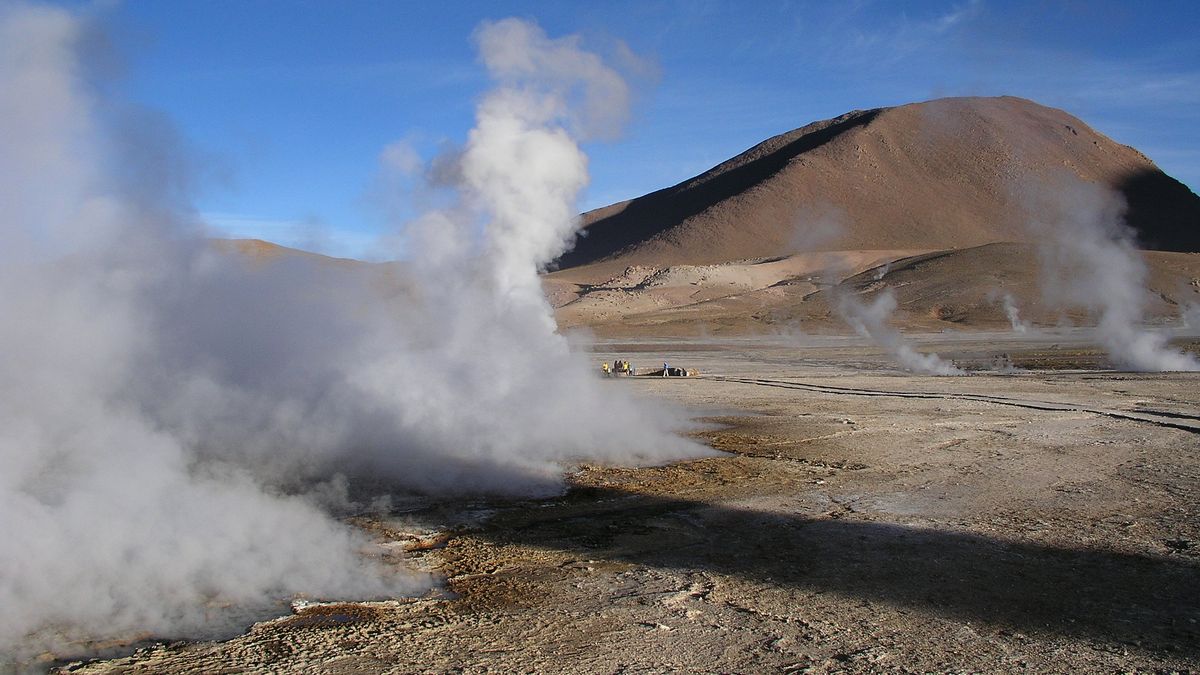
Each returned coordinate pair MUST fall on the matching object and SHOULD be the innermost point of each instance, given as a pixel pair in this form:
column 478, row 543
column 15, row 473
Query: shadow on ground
column 1113, row 597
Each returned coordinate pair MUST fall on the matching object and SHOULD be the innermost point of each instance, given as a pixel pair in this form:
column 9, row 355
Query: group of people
column 623, row 367
column 618, row 367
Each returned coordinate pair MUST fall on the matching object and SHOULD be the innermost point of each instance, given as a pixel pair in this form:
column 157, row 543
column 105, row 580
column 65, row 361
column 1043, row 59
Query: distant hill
column 937, row 175
column 932, row 201
column 929, row 201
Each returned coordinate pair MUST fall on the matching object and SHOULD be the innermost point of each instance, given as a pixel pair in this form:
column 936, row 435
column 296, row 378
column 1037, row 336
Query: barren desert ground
column 863, row 519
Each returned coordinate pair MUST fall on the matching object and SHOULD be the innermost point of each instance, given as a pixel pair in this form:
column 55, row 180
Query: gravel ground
column 863, row 520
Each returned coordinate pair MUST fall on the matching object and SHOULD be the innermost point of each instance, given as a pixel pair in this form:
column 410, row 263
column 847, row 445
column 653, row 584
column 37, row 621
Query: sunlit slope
column 948, row 173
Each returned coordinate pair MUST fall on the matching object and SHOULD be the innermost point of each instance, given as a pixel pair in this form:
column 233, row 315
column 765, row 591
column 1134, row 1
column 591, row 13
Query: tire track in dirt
column 1174, row 420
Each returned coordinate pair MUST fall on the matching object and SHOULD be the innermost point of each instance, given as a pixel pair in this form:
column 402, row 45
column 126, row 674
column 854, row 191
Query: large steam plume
column 1090, row 260
column 169, row 413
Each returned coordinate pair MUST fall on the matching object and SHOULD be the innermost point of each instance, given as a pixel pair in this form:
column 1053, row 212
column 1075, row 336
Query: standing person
column 664, row 368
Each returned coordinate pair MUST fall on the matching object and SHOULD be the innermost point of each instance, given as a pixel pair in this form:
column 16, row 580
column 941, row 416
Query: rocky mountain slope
column 948, row 173
column 943, row 196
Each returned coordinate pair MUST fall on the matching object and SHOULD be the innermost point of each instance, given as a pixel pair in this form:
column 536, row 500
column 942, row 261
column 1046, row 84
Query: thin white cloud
column 862, row 34
column 956, row 16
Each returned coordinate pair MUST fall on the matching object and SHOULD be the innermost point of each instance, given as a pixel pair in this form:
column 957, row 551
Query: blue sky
column 289, row 105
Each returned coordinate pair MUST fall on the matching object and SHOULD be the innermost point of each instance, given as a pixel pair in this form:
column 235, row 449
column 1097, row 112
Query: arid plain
column 1041, row 519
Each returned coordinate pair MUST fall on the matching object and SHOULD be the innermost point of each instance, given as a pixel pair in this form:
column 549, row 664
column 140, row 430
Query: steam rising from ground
column 1091, row 261
column 822, row 226
column 1190, row 316
column 173, row 419
column 1013, row 314
column 871, row 321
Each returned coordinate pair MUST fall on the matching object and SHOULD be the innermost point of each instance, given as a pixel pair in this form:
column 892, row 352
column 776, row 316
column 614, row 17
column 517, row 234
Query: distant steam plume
column 818, row 227
column 1013, row 314
column 1190, row 316
column 871, row 321
column 173, row 420
column 1090, row 260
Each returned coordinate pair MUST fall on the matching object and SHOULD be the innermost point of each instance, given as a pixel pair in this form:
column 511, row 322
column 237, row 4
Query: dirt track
column 864, row 520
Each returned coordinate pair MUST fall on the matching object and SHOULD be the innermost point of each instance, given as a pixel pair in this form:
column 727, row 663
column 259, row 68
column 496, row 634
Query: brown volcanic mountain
column 931, row 200
column 938, row 175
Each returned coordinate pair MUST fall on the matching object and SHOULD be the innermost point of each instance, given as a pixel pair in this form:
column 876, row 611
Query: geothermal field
column 941, row 411
column 858, row 519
